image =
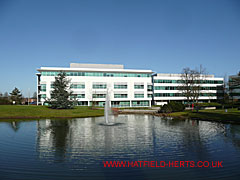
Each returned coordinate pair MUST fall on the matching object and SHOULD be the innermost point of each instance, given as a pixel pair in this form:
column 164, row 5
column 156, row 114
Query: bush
column 172, row 107
column 4, row 101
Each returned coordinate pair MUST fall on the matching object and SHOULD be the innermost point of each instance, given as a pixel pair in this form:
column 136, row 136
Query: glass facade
column 98, row 103
column 149, row 95
column 97, row 74
column 149, row 87
column 180, row 94
column 51, row 86
column 177, row 87
column 138, row 86
column 118, row 86
column 138, row 95
column 99, row 95
column 120, row 103
column 43, row 87
column 140, row 103
column 43, row 96
column 77, row 86
column 181, row 81
column 77, row 96
column 99, row 86
column 120, row 95
column 82, row 103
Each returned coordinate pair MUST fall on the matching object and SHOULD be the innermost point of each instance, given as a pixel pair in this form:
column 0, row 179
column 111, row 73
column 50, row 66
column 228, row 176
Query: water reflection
column 75, row 149
column 142, row 137
column 15, row 125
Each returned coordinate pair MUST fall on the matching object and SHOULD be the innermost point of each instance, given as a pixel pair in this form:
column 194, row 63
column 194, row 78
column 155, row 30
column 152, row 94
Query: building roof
column 95, row 68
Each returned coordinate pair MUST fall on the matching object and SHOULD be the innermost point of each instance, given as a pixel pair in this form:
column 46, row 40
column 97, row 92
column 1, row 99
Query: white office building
column 166, row 88
column 91, row 83
column 234, row 87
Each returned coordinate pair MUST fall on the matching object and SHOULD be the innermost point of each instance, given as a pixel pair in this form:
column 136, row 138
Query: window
column 182, row 81
column 138, row 86
column 149, row 88
column 99, row 95
column 149, row 95
column 119, row 86
column 120, row 95
column 140, row 103
column 43, row 96
column 99, row 86
column 120, row 103
column 77, row 86
column 99, row 74
column 43, row 87
column 138, row 95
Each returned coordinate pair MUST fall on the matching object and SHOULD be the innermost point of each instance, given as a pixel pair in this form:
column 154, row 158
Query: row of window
column 74, row 96
column 180, row 94
column 77, row 96
column 182, row 81
column 127, row 103
column 99, row 95
column 177, row 88
column 99, row 86
column 77, row 86
column 234, row 94
column 117, row 86
column 99, row 74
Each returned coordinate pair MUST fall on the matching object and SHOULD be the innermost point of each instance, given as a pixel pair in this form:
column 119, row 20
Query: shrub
column 172, row 107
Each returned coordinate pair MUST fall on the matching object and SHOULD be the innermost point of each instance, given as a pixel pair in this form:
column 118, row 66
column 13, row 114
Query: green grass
column 37, row 112
column 233, row 115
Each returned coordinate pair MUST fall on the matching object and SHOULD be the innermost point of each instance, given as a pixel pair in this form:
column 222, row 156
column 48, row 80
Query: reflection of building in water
column 15, row 125
column 44, row 137
column 137, row 136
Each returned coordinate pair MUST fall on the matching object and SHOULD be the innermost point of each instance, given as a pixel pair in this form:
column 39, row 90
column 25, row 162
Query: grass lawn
column 36, row 112
column 233, row 115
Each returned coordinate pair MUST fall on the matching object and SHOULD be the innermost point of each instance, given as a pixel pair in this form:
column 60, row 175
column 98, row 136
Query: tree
column 187, row 80
column 191, row 84
column 34, row 96
column 60, row 96
column 5, row 94
column 222, row 93
column 16, row 96
column 198, row 77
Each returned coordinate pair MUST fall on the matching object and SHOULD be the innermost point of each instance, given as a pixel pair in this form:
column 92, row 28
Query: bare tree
column 199, row 76
column 191, row 84
column 185, row 87
column 222, row 93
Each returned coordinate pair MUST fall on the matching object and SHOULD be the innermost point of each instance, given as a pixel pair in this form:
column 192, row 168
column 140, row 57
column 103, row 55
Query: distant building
column 165, row 88
column 234, row 87
column 31, row 101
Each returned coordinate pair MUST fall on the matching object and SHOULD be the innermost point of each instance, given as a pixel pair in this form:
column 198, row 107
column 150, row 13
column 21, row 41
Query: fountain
column 107, row 110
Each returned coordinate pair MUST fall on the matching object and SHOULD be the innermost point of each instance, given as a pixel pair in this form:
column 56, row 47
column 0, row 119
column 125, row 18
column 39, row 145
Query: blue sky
column 165, row 36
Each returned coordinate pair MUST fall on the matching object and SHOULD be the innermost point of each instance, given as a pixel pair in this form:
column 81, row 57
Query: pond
column 78, row 148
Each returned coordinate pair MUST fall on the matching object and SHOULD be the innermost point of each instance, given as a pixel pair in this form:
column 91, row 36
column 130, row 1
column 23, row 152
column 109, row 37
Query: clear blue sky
column 164, row 36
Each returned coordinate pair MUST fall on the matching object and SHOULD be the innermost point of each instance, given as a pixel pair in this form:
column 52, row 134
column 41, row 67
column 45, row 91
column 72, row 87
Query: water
column 75, row 149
